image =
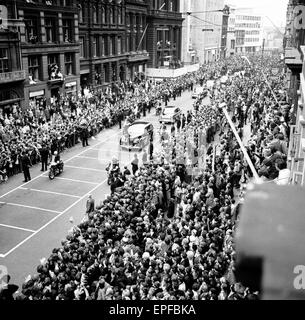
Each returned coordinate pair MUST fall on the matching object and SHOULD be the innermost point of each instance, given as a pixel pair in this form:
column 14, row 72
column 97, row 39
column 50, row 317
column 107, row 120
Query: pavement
column 36, row 216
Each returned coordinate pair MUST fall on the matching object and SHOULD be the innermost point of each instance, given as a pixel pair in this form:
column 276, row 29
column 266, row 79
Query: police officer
column 26, row 164
column 44, row 153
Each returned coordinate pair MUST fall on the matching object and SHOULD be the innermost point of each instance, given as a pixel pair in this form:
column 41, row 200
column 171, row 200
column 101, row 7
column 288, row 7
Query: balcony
column 138, row 56
column 163, row 14
column 13, row 76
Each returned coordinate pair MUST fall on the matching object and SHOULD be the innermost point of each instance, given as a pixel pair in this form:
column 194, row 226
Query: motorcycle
column 56, row 169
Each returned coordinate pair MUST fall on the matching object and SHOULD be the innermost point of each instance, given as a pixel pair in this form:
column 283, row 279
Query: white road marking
column 30, row 207
column 53, row 219
column 83, row 168
column 14, row 227
column 85, row 157
column 1, row 255
column 40, row 175
column 74, row 180
column 52, row 192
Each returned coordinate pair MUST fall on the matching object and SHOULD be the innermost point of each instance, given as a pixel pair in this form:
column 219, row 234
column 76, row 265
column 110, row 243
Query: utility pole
column 263, row 49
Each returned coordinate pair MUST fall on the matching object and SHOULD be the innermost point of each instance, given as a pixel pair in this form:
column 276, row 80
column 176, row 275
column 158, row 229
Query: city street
column 37, row 215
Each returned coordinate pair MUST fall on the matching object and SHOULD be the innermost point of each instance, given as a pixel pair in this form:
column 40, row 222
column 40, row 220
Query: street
column 36, row 216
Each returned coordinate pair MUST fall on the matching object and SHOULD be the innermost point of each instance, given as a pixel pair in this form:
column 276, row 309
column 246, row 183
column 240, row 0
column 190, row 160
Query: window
column 128, row 43
column 113, row 45
column 4, row 67
column 109, row 51
column 53, row 67
column 68, row 64
column 31, row 24
column 103, row 15
column 103, row 46
column 50, row 25
column 34, row 67
column 119, row 16
column 65, row 3
column 67, row 30
column 114, row 16
column 119, row 45
column 94, row 14
column 232, row 44
column 96, row 46
column 82, row 47
column 110, row 16
column 81, row 13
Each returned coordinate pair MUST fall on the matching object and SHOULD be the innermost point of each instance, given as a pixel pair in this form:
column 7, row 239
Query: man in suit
column 84, row 137
column 26, row 164
column 44, row 153
column 90, row 204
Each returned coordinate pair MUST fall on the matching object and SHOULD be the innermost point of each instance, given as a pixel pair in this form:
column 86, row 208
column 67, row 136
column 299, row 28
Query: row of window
column 103, row 46
column 103, row 15
column 166, row 5
column 60, row 3
column 248, row 25
column 252, row 39
column 253, row 32
column 35, row 69
column 251, row 18
column 51, row 24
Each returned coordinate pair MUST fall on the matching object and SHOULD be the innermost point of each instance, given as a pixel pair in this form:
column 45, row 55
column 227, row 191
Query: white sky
column 274, row 9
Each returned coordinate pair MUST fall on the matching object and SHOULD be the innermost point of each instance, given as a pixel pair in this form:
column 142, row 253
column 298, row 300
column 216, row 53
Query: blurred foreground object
column 270, row 242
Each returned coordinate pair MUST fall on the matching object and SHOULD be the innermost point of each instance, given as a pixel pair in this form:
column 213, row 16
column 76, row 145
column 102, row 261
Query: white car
column 169, row 114
column 137, row 135
column 197, row 92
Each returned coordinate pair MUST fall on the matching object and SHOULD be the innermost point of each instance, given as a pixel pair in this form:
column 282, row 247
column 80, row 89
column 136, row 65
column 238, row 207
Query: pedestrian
column 178, row 123
column 135, row 164
column 44, row 153
column 126, row 173
column 151, row 150
column 144, row 157
column 90, row 204
column 26, row 164
column 173, row 130
column 84, row 137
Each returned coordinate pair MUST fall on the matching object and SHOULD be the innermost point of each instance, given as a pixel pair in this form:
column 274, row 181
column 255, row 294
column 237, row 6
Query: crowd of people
column 65, row 121
column 167, row 232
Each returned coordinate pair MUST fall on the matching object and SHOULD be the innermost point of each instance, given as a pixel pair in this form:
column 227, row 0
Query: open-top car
column 137, row 135
column 169, row 114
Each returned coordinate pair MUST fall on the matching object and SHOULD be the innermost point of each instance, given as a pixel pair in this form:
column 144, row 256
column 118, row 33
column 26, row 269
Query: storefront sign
column 70, row 84
column 36, row 93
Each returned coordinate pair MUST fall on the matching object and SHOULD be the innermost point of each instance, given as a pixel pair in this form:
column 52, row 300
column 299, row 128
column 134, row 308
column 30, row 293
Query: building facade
column 12, row 75
column 164, row 34
column 249, row 33
column 231, row 34
column 136, row 38
column 207, row 29
column 103, row 56
column 294, row 52
column 49, row 47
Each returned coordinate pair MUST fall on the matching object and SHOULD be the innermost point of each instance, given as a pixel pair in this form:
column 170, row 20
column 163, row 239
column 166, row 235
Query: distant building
column 207, row 28
column 231, row 34
column 248, row 32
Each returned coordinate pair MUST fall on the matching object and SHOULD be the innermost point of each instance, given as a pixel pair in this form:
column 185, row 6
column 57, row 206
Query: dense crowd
column 167, row 232
column 65, row 121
